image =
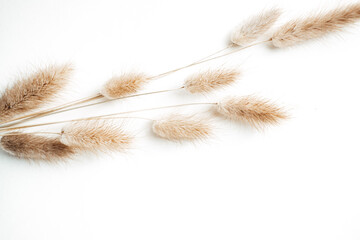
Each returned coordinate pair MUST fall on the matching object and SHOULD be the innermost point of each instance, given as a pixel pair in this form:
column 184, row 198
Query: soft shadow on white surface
column 298, row 180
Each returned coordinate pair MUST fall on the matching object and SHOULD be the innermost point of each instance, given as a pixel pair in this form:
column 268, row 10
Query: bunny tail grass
column 95, row 135
column 205, row 82
column 182, row 128
column 316, row 26
column 33, row 91
column 252, row 110
column 123, row 85
column 254, row 28
column 35, row 147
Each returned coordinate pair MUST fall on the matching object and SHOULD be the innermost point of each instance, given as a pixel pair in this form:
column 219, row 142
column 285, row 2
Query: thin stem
column 207, row 60
column 110, row 100
column 17, row 133
column 215, row 53
column 61, row 107
column 51, row 110
column 93, row 104
column 103, row 116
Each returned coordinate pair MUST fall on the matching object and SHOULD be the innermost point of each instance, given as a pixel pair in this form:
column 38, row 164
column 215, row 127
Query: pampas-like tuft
column 33, row 91
column 123, row 85
column 255, row 111
column 95, row 135
column 316, row 26
column 180, row 128
column 35, row 147
column 254, row 28
column 205, row 82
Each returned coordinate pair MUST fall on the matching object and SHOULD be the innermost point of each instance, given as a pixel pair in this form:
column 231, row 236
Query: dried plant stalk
column 124, row 85
column 31, row 92
column 205, row 82
column 180, row 128
column 35, row 147
column 249, row 109
column 316, row 26
column 254, row 28
column 95, row 135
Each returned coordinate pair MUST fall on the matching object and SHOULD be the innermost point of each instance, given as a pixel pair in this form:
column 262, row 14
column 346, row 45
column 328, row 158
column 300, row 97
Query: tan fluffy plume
column 207, row 81
column 180, row 128
column 124, row 85
column 33, row 91
column 316, row 26
column 255, row 27
column 35, row 147
column 249, row 109
column 95, row 135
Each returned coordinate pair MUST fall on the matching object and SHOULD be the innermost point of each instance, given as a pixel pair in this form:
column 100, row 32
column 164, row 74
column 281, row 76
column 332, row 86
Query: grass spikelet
column 252, row 110
column 315, row 26
column 31, row 92
column 207, row 81
column 255, row 27
column 35, row 147
column 123, row 85
column 95, row 135
column 182, row 128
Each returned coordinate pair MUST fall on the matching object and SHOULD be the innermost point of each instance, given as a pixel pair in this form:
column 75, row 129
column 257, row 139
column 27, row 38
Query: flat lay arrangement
column 25, row 99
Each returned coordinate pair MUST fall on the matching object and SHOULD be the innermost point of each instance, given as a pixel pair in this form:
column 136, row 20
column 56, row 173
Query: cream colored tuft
column 95, row 135
column 254, row 28
column 35, row 147
column 126, row 84
column 33, row 91
column 180, row 128
column 205, row 82
column 249, row 109
column 316, row 26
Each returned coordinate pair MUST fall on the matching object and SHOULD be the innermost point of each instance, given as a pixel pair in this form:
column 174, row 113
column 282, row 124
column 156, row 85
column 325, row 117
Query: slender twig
column 61, row 110
column 207, row 60
column 88, row 99
column 214, row 54
column 20, row 133
column 50, row 110
column 103, row 116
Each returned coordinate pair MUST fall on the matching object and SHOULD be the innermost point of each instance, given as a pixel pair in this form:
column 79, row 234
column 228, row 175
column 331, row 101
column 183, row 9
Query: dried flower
column 180, row 128
column 123, row 85
column 35, row 147
column 31, row 92
column 254, row 28
column 255, row 111
column 316, row 26
column 210, row 80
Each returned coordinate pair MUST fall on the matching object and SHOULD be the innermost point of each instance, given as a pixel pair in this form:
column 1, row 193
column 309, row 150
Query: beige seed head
column 182, row 128
column 123, row 85
column 254, row 28
column 210, row 80
column 249, row 109
column 95, row 135
column 35, row 147
column 31, row 92
column 316, row 26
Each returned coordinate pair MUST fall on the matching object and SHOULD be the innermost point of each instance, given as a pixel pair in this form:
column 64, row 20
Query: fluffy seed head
column 123, row 85
column 95, row 135
column 180, row 128
column 31, row 92
column 255, row 111
column 254, row 28
column 35, row 147
column 205, row 82
column 315, row 26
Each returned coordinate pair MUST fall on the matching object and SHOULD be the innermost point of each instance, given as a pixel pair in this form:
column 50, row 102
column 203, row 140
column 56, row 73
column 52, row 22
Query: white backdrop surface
column 298, row 180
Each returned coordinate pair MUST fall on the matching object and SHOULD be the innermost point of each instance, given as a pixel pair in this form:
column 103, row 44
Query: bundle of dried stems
column 97, row 133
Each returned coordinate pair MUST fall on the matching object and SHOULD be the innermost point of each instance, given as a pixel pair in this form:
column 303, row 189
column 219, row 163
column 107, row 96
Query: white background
column 298, row 180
